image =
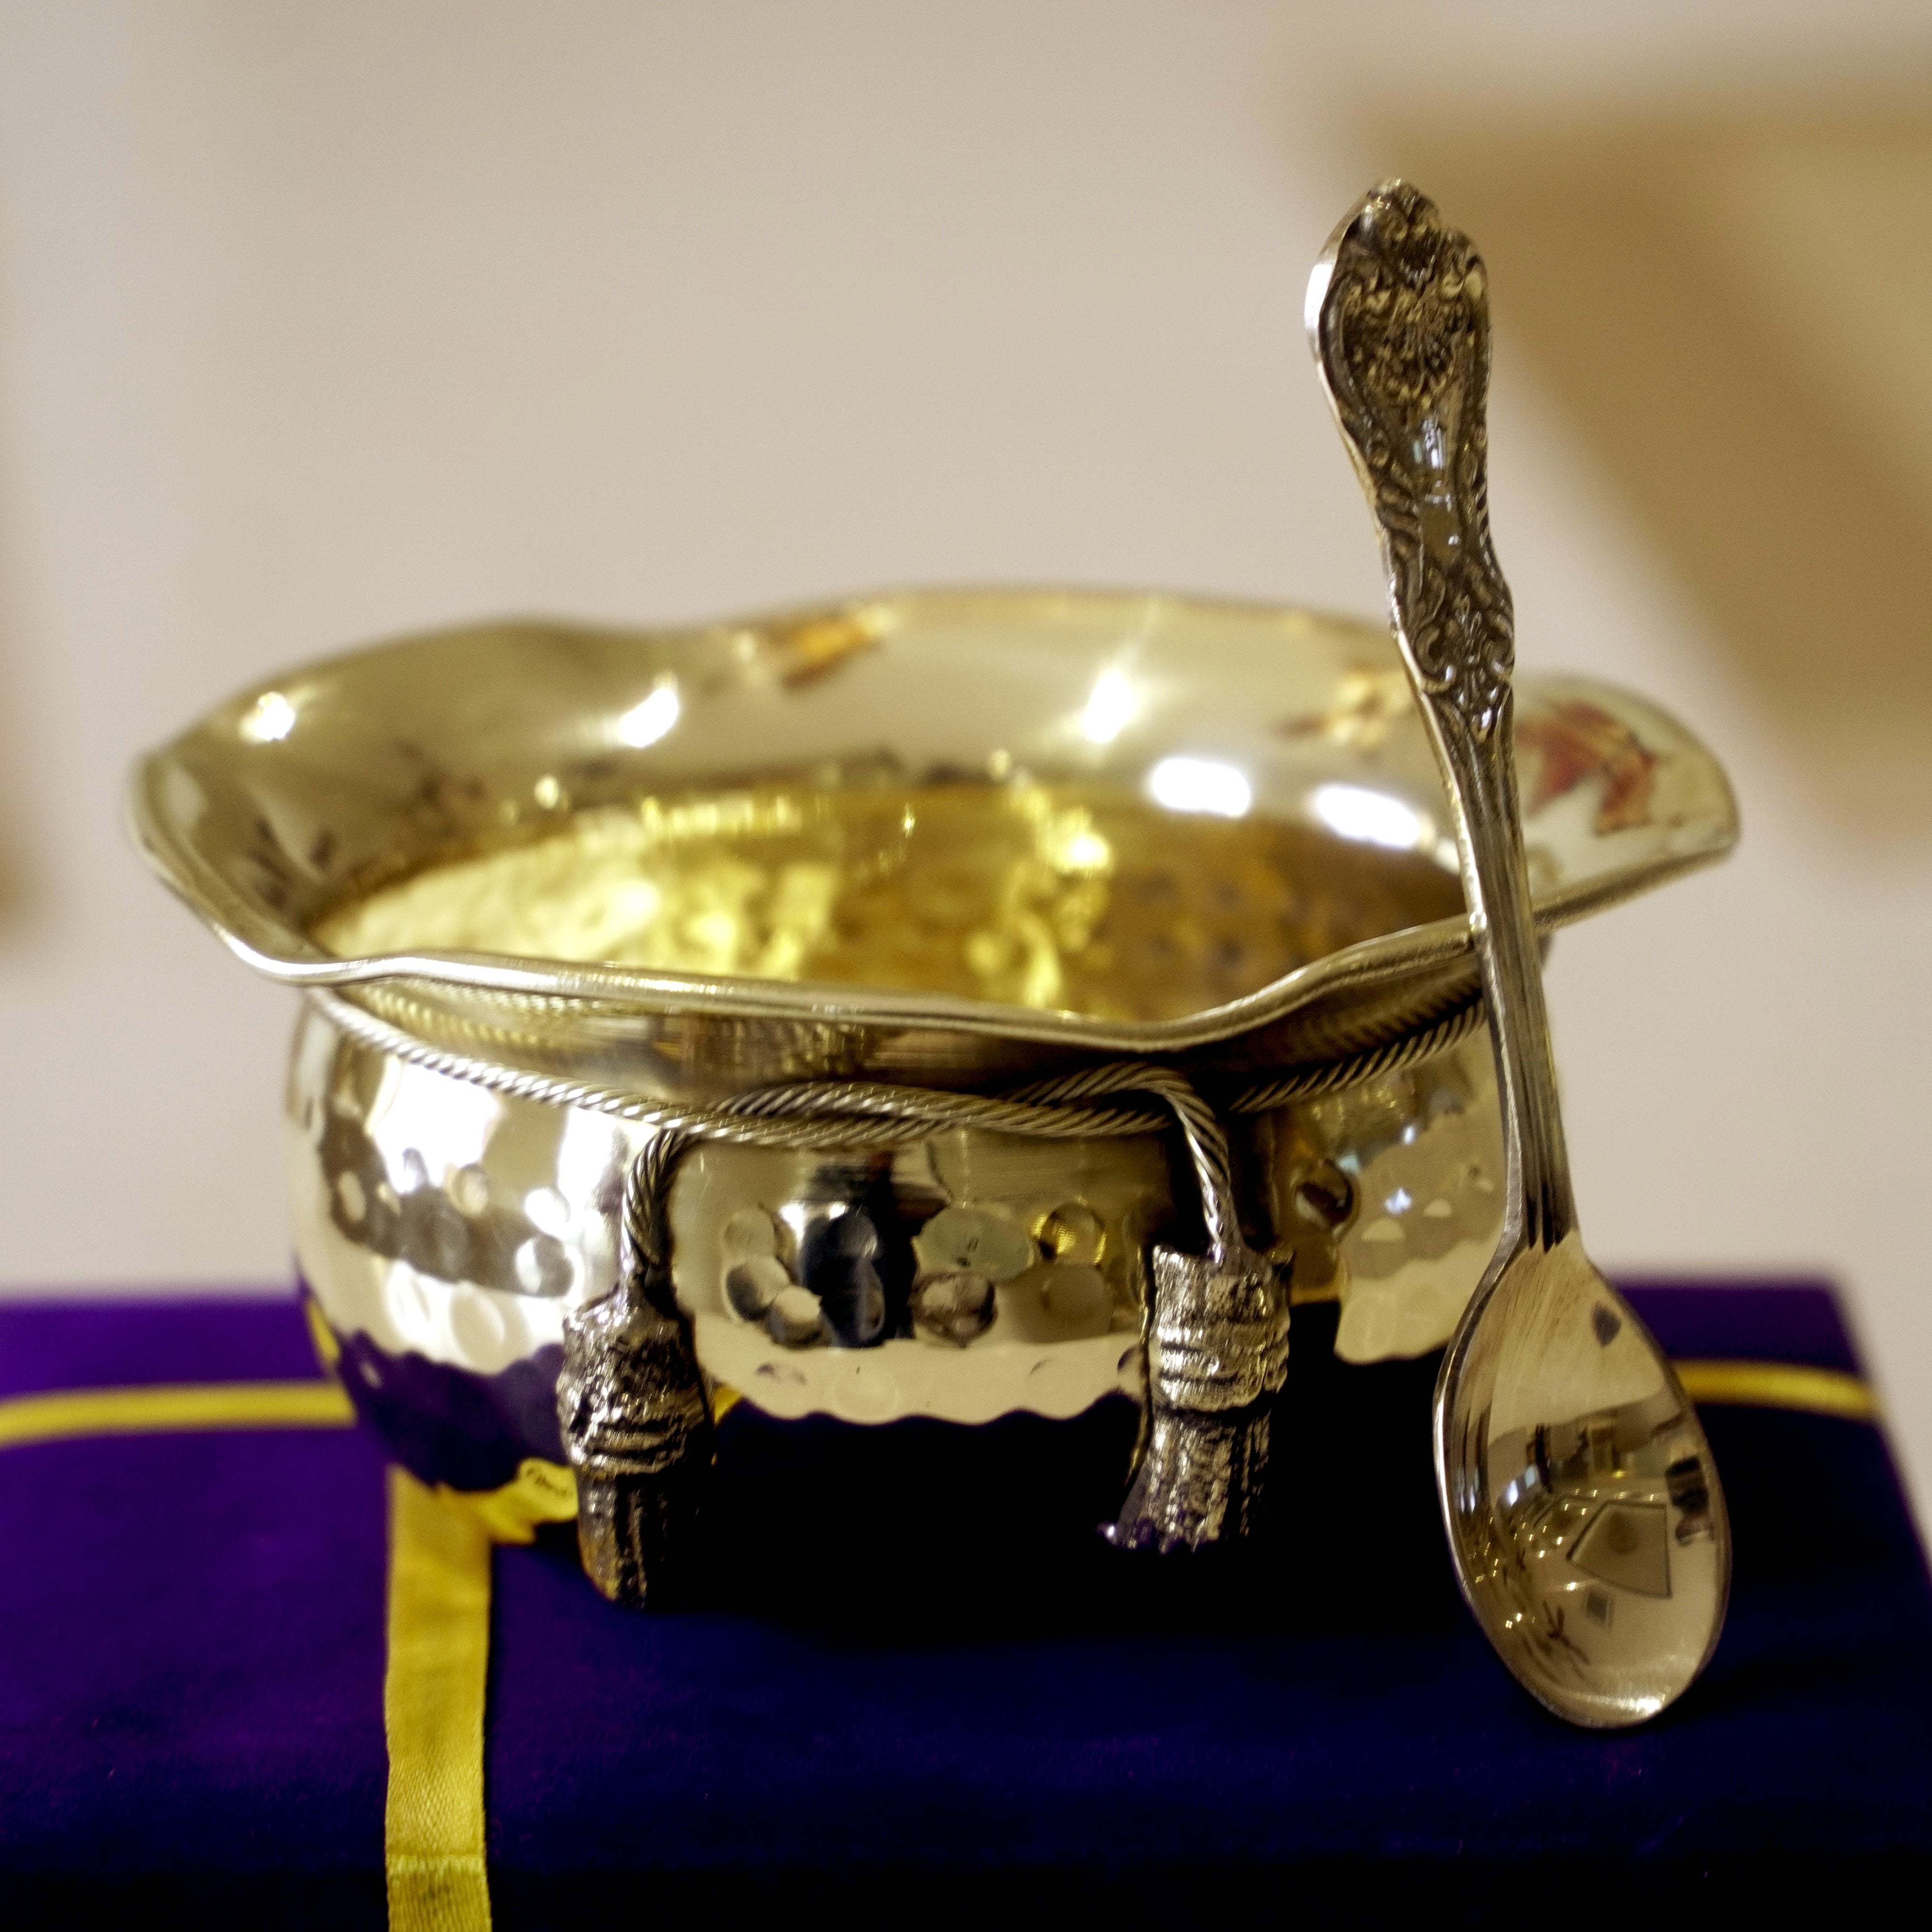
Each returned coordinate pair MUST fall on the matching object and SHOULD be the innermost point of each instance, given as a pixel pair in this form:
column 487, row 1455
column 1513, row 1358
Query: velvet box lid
column 192, row 1711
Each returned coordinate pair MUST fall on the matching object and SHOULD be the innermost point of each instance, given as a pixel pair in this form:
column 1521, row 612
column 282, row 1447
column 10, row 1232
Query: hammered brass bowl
column 529, row 876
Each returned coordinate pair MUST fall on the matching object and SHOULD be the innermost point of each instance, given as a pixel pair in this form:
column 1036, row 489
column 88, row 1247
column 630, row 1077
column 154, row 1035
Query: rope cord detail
column 923, row 1108
column 1116, row 1098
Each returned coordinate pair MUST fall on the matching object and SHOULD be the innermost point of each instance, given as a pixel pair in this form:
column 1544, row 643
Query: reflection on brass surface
column 1592, row 1522
column 1574, row 742
column 1070, row 898
column 1369, row 701
column 460, row 1226
column 1389, row 1198
column 448, row 1223
column 817, row 646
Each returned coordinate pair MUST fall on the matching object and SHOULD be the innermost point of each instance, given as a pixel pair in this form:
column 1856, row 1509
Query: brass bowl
column 531, row 876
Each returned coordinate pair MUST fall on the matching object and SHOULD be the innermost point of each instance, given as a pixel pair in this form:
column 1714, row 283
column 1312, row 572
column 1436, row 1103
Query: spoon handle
column 1398, row 315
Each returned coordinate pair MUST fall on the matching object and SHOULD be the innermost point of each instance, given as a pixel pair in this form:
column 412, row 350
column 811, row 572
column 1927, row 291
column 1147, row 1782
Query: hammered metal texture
column 438, row 1222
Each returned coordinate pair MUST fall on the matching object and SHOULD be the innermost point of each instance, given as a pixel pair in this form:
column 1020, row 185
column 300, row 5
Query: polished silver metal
column 632, row 1400
column 1217, row 1344
column 1582, row 1507
column 636, row 1426
column 1217, row 1357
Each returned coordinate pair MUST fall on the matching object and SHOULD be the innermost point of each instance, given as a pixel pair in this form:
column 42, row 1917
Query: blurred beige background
column 318, row 322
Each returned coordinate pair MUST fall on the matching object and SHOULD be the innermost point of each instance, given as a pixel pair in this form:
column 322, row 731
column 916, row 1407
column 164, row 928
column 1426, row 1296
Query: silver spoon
column 1583, row 1509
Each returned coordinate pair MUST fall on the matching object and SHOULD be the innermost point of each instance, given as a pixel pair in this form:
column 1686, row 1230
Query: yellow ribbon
column 1779, row 1385
column 65, row 1414
column 440, row 1541
column 438, row 1646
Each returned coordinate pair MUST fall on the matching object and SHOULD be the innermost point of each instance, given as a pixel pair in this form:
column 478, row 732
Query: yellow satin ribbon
column 440, row 1546
column 440, row 1561
column 1779, row 1385
column 438, row 1646
column 63, row 1415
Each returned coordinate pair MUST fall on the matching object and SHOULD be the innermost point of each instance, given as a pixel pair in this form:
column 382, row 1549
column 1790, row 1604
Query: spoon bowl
column 1589, row 1530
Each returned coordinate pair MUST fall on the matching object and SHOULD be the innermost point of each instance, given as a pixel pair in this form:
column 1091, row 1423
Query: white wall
column 318, row 323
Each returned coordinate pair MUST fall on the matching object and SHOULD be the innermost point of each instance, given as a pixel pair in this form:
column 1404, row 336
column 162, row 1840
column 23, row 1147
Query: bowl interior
column 1083, row 897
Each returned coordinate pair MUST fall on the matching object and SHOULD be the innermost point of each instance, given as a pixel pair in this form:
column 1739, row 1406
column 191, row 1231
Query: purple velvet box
column 871, row 1708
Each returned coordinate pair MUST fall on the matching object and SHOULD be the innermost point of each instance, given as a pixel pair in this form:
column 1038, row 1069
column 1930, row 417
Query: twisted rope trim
column 808, row 1116
column 768, row 1116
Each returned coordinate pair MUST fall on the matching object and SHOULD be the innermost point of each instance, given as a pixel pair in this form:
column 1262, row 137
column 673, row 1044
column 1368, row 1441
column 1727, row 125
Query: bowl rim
column 279, row 951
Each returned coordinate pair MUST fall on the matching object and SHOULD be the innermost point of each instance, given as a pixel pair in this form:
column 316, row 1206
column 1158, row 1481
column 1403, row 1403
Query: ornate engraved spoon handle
column 1398, row 314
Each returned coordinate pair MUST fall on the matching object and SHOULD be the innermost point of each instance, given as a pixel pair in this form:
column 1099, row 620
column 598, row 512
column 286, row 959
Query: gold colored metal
column 1583, row 1509
column 1076, row 899
column 298, row 799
